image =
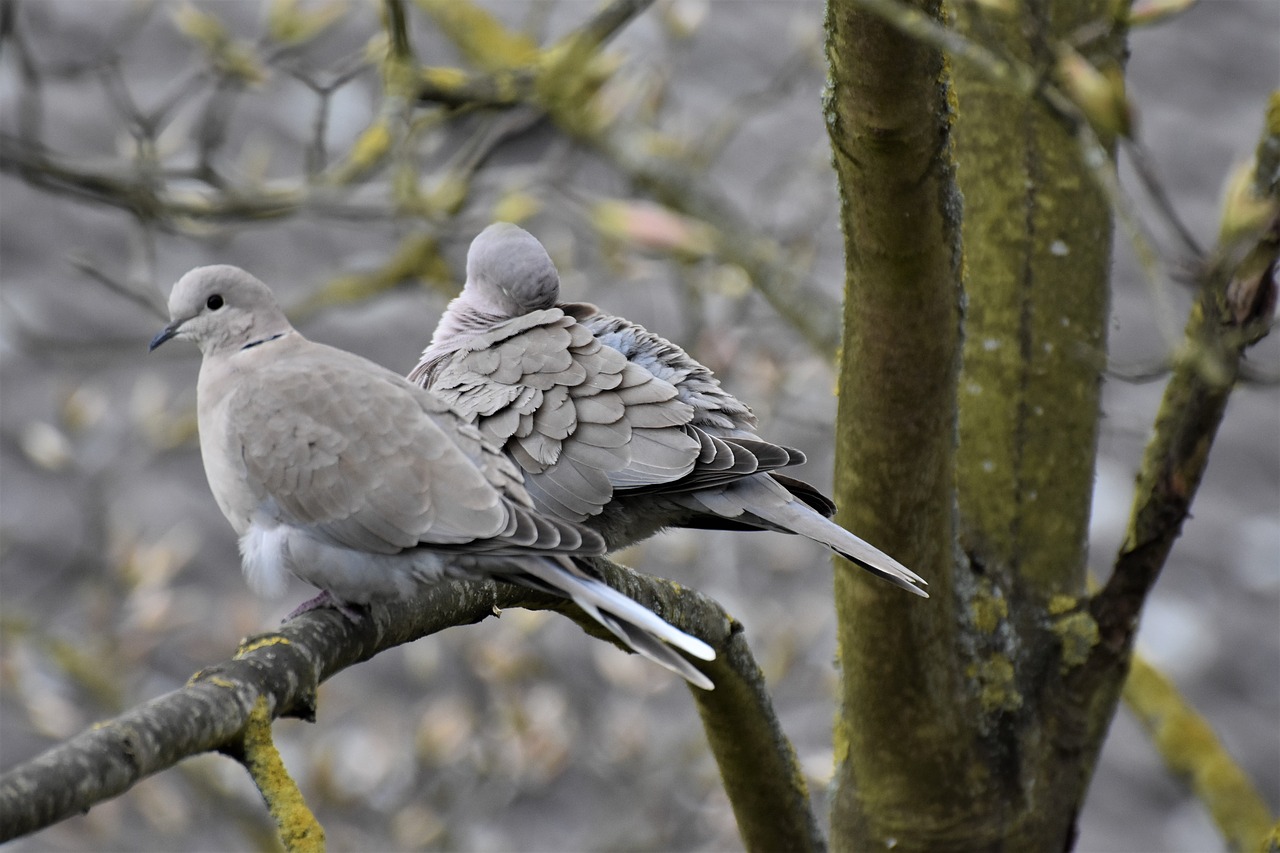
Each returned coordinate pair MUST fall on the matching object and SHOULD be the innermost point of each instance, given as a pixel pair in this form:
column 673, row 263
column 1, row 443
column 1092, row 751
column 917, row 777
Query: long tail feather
column 763, row 498
column 638, row 627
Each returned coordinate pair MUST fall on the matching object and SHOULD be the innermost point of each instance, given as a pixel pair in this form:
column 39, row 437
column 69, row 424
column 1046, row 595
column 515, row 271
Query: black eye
column 213, row 303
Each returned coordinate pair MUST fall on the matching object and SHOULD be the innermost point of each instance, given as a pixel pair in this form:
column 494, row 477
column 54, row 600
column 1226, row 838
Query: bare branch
column 606, row 23
column 1146, row 172
column 398, row 29
column 758, row 765
column 1194, row 401
column 148, row 298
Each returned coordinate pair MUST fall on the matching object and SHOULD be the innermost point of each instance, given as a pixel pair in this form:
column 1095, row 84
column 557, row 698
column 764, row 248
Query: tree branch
column 757, row 763
column 904, row 765
column 1232, row 313
column 1192, row 751
column 299, row 830
column 212, row 711
column 281, row 671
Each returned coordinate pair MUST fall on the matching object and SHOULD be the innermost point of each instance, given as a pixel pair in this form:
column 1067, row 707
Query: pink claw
column 326, row 599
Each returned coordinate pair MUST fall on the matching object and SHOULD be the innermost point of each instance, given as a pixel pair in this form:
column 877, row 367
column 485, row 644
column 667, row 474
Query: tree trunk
column 956, row 731
column 896, row 748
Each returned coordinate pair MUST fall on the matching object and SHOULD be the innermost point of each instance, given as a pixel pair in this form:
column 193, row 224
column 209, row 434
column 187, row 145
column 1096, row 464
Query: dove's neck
column 461, row 321
column 259, row 341
column 240, row 330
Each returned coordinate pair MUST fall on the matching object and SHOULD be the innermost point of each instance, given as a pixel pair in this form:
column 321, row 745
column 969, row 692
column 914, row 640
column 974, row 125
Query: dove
column 614, row 426
column 343, row 473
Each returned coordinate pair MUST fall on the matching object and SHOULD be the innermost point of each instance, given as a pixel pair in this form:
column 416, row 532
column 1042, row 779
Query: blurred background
column 119, row 577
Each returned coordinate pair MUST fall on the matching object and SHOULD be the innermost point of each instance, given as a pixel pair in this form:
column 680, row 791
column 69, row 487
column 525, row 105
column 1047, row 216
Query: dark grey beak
column 167, row 332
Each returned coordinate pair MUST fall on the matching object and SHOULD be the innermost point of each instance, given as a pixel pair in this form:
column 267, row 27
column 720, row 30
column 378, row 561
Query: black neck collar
column 253, row 344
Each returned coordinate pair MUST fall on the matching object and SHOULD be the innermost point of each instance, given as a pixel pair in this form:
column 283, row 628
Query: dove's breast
column 220, row 447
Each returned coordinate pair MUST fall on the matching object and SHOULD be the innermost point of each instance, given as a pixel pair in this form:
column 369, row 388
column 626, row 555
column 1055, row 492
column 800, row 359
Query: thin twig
column 1145, row 171
column 148, row 299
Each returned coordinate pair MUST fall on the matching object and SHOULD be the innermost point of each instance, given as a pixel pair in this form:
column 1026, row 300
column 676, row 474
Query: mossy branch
column 299, row 830
column 757, row 762
column 1192, row 751
column 277, row 675
column 397, row 27
column 1232, row 312
column 766, row 787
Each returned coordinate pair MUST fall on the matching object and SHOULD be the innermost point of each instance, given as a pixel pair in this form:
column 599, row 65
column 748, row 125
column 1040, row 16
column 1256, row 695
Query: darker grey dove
column 614, row 426
column 339, row 471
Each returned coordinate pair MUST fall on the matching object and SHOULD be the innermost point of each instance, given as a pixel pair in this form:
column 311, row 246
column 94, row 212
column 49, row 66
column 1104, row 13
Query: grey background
column 118, row 575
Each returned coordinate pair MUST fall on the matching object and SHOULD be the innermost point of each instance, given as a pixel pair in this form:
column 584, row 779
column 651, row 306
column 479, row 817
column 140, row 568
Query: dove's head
column 222, row 308
column 509, row 273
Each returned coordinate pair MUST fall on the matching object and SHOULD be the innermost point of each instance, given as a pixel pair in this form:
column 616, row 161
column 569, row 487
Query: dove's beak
column 167, row 332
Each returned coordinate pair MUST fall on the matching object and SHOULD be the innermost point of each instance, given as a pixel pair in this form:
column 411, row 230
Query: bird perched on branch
column 343, row 473
column 614, row 426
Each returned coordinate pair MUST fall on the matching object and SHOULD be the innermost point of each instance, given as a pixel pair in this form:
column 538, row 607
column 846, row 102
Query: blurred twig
column 417, row 256
column 1192, row 751
column 145, row 297
column 722, row 130
column 566, row 99
column 559, row 82
column 398, row 28
column 1145, row 170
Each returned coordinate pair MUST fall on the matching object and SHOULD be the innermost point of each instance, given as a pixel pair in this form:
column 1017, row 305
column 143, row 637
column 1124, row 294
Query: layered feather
column 358, row 481
column 612, row 424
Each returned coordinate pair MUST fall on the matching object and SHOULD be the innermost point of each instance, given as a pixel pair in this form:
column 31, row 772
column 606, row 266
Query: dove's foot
column 327, row 599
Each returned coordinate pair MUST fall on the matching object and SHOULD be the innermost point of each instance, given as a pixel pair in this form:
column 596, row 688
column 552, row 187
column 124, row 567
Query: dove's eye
column 213, row 303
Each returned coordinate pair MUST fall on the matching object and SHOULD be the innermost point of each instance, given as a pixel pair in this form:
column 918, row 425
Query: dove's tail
column 638, row 627
column 761, row 499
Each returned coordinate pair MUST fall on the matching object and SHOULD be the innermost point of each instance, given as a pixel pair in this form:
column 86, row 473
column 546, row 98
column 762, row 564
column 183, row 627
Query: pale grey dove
column 345, row 474
column 614, row 426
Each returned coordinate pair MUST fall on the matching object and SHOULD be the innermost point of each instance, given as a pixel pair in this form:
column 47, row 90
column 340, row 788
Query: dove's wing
column 339, row 471
column 356, row 455
column 577, row 418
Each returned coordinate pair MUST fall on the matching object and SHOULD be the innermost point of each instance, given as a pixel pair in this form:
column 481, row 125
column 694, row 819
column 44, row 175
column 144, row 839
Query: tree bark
column 1037, row 237
column 1030, row 666
column 902, row 772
